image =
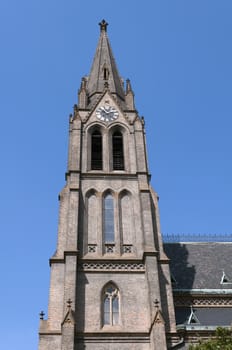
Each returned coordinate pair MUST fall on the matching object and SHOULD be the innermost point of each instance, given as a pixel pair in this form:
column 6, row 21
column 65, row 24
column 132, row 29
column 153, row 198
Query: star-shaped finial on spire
column 103, row 25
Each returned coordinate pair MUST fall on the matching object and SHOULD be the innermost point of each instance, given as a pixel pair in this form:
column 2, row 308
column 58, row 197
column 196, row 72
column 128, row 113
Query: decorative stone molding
column 92, row 248
column 127, row 248
column 109, row 248
column 69, row 319
column 121, row 267
column 202, row 301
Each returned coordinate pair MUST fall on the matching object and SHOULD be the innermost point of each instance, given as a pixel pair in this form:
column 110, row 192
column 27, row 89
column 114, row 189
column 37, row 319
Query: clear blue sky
column 178, row 56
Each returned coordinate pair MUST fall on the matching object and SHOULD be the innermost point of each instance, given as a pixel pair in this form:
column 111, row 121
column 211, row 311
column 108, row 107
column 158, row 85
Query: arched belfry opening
column 96, row 150
column 117, row 146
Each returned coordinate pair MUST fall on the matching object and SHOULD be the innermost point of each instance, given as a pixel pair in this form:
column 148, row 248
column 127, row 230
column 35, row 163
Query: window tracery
column 111, row 305
column 109, row 224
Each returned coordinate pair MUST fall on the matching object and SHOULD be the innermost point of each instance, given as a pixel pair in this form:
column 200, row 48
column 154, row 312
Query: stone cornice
column 61, row 260
column 202, row 291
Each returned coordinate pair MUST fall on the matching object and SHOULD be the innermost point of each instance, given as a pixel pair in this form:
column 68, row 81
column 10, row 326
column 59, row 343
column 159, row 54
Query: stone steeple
column 104, row 73
column 109, row 266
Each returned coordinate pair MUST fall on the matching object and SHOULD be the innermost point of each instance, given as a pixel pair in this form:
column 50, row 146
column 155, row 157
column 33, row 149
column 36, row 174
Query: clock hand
column 107, row 110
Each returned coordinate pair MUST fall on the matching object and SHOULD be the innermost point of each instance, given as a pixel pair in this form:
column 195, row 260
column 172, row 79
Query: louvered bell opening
column 118, row 159
column 96, row 160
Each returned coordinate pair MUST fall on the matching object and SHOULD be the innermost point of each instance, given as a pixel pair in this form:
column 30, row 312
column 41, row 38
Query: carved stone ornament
column 91, row 266
column 109, row 248
column 127, row 248
column 92, row 248
column 202, row 301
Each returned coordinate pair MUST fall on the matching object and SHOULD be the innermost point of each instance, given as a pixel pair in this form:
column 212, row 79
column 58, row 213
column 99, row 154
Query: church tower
column 110, row 283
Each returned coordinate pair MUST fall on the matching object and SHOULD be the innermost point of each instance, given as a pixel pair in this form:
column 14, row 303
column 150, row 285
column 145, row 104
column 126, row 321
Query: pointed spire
column 82, row 93
column 128, row 86
column 104, row 72
column 129, row 95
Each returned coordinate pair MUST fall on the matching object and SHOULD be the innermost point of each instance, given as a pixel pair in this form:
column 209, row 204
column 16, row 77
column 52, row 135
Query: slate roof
column 200, row 265
column 214, row 316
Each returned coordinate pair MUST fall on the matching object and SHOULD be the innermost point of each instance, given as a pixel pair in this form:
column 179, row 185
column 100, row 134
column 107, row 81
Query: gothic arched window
column 92, row 217
column 118, row 158
column 108, row 218
column 96, row 150
column 126, row 218
column 110, row 305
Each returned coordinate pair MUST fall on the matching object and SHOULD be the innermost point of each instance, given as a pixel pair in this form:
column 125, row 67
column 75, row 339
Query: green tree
column 221, row 341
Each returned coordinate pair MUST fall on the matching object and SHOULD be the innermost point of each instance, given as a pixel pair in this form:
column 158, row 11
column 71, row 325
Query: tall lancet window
column 96, row 150
column 118, row 158
column 108, row 218
column 110, row 305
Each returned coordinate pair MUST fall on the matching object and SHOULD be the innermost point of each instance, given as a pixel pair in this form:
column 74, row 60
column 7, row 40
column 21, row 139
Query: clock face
column 107, row 113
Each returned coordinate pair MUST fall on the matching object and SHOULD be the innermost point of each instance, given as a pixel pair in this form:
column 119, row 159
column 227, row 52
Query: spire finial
column 156, row 304
column 103, row 25
column 69, row 303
